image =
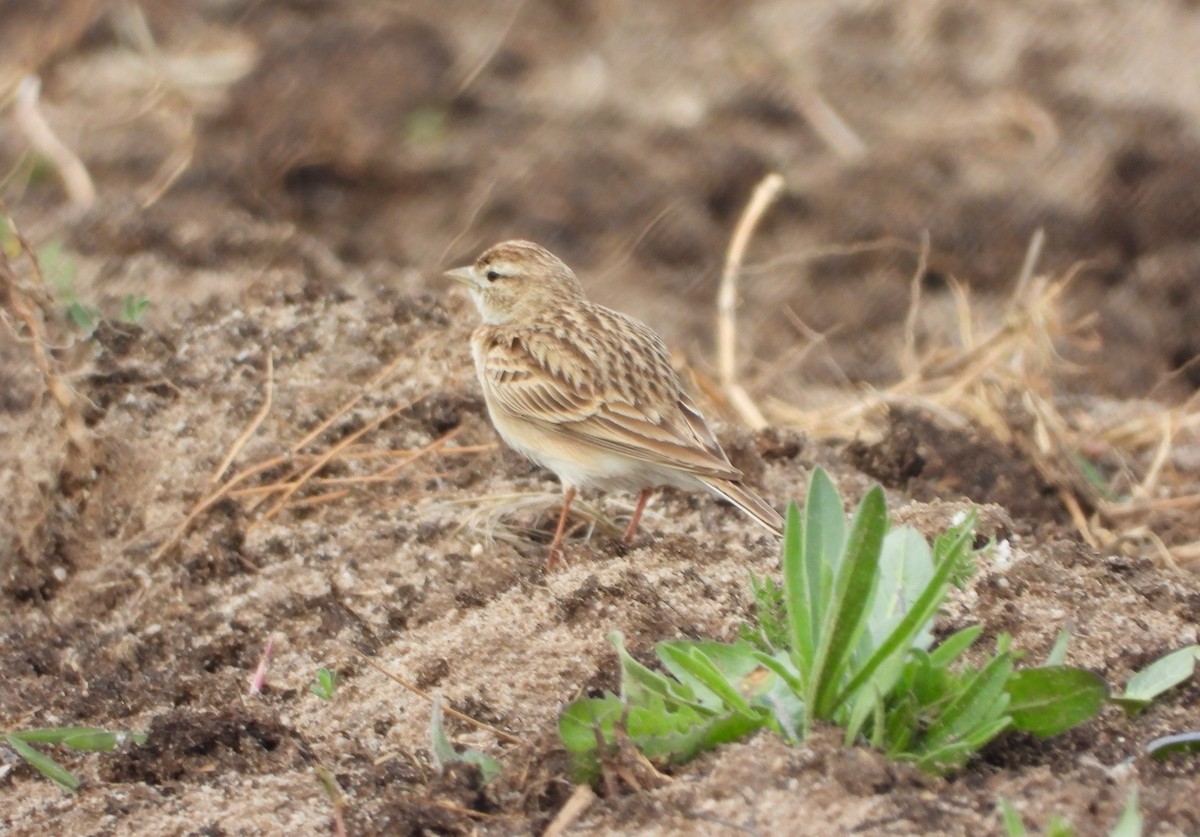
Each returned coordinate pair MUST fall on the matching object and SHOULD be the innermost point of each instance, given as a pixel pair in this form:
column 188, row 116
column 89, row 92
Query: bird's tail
column 747, row 501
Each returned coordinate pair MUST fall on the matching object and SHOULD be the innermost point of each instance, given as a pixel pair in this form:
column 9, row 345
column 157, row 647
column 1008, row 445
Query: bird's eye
column 492, row 275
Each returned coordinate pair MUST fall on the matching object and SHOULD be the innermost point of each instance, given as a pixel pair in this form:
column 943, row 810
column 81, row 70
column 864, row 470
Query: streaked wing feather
column 534, row 379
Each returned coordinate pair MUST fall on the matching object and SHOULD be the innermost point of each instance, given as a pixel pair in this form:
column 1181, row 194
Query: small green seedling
column 133, row 308
column 1165, row 673
column 60, row 269
column 90, row 739
column 847, row 639
column 444, row 753
column 325, row 685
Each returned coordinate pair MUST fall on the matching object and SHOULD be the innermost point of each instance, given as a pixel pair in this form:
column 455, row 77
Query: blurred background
column 927, row 138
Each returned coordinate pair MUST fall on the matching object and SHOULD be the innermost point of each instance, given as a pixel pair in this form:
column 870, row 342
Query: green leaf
column 954, row 646
column 690, row 664
column 96, row 741
column 948, row 557
column 43, row 764
column 1050, row 700
column 811, row 559
column 53, row 735
column 326, row 685
column 133, row 308
column 582, row 719
column 954, row 545
column 975, row 706
column 639, row 683
column 1164, row 673
column 1014, row 826
column 905, row 567
column 444, row 753
column 59, row 268
column 1130, row 824
column 83, row 316
column 798, row 600
column 690, row 734
column 853, row 590
column 489, row 768
column 770, row 615
column 1058, row 654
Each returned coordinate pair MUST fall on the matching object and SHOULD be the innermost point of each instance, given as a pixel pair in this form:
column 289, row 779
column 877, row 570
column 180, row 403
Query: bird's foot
column 556, row 558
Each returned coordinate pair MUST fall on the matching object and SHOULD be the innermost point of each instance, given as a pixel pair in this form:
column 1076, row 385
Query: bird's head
column 516, row 280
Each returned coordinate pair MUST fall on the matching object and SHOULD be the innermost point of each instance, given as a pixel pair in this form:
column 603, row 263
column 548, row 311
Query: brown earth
column 285, row 181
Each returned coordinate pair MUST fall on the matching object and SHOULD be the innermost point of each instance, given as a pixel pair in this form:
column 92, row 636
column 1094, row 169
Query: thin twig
column 1033, row 254
column 347, row 405
column 830, row 126
column 325, row 457
column 449, row 710
column 580, row 800
column 909, row 363
column 458, row 809
column 764, row 194
column 494, row 48
column 251, row 428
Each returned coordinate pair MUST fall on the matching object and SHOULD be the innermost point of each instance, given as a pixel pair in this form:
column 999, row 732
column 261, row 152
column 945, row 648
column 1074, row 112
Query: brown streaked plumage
column 587, row 391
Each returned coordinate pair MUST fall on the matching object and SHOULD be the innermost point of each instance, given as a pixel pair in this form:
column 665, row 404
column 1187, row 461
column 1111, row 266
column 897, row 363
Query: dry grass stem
column 346, row 406
column 32, row 304
column 484, row 60
column 829, row 125
column 487, row 515
column 764, row 195
column 251, row 428
column 909, row 362
column 1002, row 379
column 324, row 459
column 580, row 800
column 77, row 183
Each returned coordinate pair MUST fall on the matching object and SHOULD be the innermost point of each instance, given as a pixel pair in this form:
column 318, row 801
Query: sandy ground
column 284, row 182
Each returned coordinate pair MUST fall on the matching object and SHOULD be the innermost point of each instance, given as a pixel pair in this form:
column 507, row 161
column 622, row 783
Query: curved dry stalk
column 764, row 195
column 81, row 192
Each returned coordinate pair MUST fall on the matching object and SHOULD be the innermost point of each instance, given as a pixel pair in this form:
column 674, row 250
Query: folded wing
column 627, row 401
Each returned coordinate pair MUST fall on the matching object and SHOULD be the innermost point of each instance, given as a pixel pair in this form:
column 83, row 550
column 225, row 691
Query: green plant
column 1165, row 673
column 445, row 754
column 60, row 270
column 89, row 739
column 133, row 308
column 845, row 639
column 326, row 684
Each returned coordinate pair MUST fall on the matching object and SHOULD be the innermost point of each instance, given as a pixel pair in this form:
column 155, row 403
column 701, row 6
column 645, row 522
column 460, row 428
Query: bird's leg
column 637, row 517
column 556, row 556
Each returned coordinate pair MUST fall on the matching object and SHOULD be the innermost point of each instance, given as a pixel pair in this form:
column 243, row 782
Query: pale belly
column 582, row 465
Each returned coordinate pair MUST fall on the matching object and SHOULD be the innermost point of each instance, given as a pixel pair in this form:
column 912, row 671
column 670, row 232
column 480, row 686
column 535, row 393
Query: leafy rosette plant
column 846, row 639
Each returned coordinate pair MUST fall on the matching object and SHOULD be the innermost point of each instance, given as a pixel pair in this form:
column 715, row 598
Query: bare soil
column 285, row 181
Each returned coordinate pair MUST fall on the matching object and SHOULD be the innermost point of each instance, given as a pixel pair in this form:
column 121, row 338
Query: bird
column 588, row 392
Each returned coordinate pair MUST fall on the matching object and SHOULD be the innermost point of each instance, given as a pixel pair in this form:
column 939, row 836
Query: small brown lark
column 586, row 391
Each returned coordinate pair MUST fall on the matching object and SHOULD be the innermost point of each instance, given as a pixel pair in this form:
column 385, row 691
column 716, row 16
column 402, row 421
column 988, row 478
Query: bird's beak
column 466, row 275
